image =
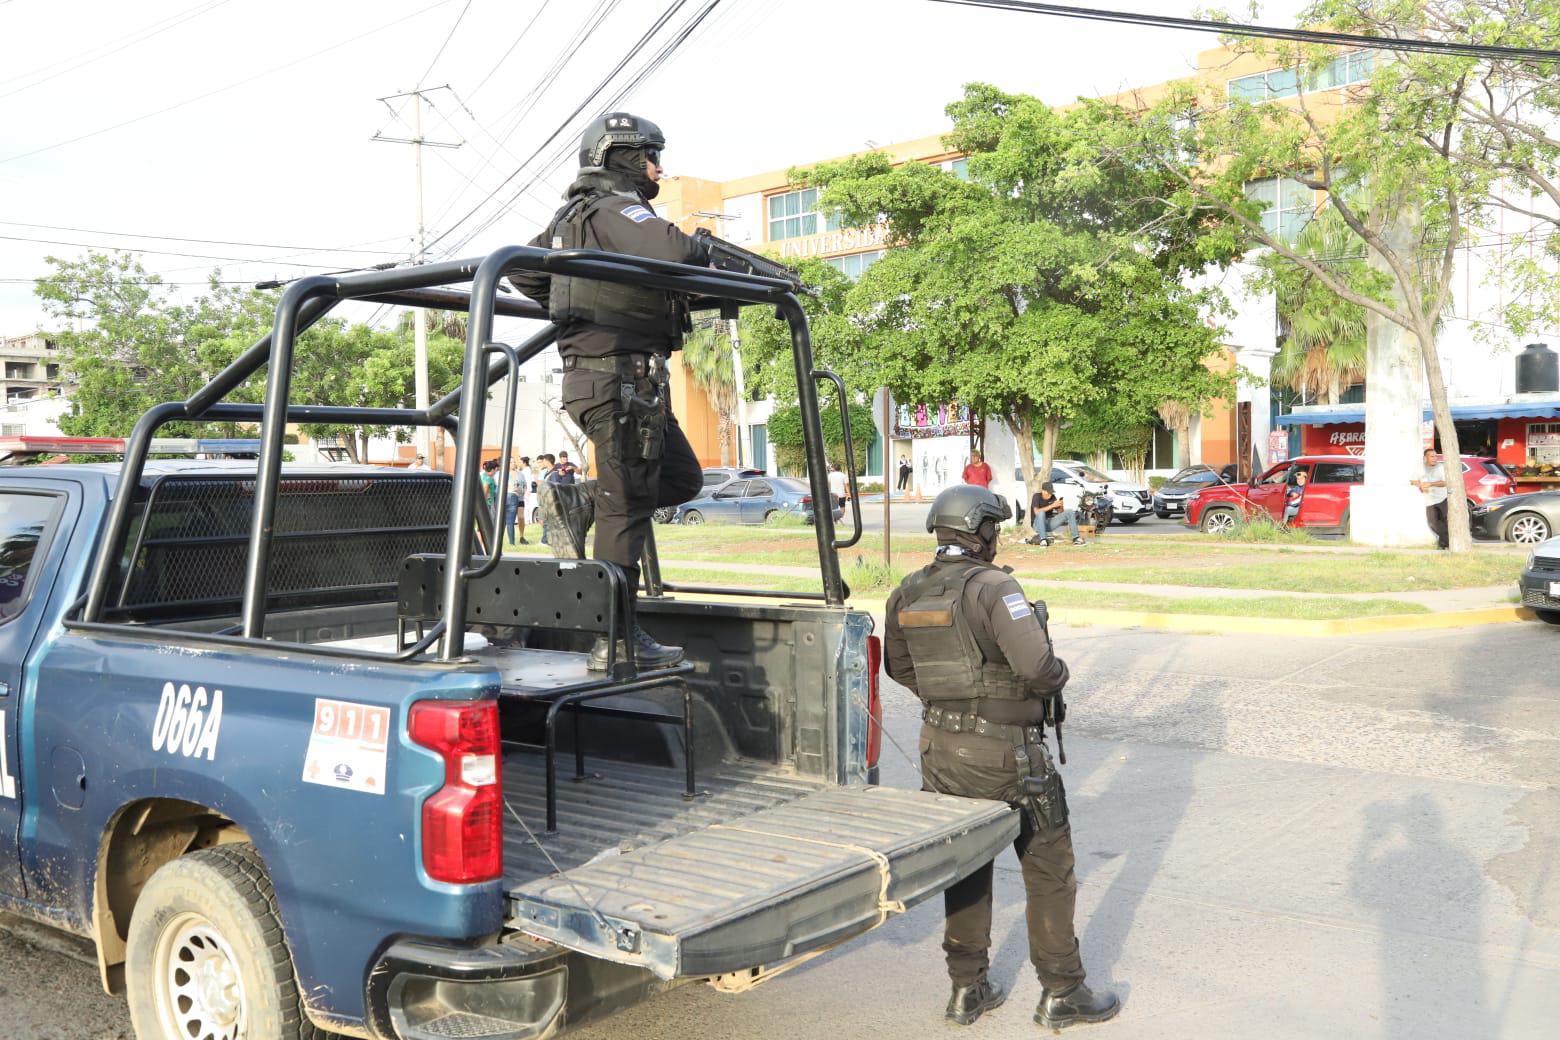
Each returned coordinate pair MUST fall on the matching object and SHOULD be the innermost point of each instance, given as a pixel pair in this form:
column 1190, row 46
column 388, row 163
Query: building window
column 1354, row 67
column 1543, row 442
column 1290, row 206
column 793, row 214
column 853, row 265
column 960, row 168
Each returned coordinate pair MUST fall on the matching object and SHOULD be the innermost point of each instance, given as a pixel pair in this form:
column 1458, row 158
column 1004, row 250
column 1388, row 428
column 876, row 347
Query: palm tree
column 711, row 363
column 1324, row 351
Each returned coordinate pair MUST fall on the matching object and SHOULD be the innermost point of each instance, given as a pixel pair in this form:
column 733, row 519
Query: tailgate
column 766, row 887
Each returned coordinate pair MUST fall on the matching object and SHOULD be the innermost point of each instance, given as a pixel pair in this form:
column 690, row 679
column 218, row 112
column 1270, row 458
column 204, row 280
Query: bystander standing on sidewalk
column 905, row 472
column 839, row 486
column 977, row 472
column 1433, row 484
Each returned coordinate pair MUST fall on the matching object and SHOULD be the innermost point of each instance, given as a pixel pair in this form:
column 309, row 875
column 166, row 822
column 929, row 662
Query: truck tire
column 206, row 956
column 1551, row 617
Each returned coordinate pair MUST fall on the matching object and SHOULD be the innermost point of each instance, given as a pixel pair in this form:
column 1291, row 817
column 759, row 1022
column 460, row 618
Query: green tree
column 710, row 359
column 1324, row 350
column 1392, row 159
column 767, row 366
column 1047, row 283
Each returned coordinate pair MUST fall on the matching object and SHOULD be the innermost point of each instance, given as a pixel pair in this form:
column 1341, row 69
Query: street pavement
column 1285, row 838
column 910, row 517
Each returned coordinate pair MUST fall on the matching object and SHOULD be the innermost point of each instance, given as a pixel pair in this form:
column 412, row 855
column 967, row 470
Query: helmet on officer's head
column 964, row 507
column 618, row 130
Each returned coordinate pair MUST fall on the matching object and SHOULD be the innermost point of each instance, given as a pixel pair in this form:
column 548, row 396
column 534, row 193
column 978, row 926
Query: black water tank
column 1538, row 370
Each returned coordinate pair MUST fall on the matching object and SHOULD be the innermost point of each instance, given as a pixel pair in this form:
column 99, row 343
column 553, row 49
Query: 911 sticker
column 189, row 721
column 638, row 214
column 1017, row 605
column 348, row 746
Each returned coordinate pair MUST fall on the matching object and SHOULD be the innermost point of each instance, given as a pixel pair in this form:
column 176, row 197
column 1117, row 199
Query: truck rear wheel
column 206, row 957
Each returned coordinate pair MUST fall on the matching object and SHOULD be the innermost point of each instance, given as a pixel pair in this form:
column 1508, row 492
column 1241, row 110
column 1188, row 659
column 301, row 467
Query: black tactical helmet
column 964, row 507
column 617, row 130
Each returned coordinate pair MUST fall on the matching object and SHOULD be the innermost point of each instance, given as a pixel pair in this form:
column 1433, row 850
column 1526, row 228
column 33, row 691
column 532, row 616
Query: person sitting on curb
column 1047, row 512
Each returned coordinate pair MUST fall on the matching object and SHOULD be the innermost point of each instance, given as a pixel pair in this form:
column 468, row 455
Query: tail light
column 874, row 701
column 806, row 501
column 463, row 821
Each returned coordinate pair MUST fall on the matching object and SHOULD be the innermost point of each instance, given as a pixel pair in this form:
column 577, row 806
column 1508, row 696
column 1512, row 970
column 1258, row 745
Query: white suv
column 1130, row 502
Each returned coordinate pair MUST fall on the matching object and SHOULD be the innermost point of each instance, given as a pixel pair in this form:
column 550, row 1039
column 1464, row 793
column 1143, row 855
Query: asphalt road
column 911, row 517
column 1286, row 838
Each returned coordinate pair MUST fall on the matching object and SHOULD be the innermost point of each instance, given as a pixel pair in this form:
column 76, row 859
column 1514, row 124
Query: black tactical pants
column 630, row 486
column 984, row 767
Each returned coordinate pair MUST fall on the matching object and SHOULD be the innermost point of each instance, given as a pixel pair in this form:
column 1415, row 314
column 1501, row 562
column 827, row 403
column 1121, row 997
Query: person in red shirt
column 977, row 472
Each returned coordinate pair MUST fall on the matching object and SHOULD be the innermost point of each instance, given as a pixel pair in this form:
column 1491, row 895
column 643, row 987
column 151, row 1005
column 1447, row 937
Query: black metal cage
column 258, row 535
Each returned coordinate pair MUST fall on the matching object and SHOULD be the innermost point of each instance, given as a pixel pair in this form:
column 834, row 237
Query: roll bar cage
column 307, row 300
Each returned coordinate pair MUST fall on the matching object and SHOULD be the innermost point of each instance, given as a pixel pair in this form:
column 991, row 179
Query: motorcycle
column 1096, row 509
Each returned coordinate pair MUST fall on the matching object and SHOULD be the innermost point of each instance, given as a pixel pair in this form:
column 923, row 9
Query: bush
column 785, row 435
column 872, row 575
column 1155, row 483
column 1262, row 528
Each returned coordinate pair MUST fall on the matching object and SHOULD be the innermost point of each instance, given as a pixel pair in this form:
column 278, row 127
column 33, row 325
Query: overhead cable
column 223, row 89
column 1271, row 32
column 447, row 38
column 202, row 241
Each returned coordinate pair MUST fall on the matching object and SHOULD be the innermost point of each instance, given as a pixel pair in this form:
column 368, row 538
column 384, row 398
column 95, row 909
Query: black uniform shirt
column 620, row 223
column 998, row 613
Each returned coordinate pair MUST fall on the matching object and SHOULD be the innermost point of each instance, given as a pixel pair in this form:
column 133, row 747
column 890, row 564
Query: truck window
column 26, row 521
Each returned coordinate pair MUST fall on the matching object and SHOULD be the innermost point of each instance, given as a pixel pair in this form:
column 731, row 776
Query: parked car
column 1325, row 504
column 1526, row 519
column 1540, row 581
column 1170, row 499
column 714, row 477
column 752, row 501
column 1129, row 501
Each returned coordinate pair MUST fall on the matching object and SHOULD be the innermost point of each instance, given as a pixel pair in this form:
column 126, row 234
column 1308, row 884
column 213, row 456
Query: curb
column 1226, row 624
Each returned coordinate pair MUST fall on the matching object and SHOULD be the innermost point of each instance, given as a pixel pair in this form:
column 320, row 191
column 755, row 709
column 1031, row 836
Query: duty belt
column 969, row 722
column 626, row 366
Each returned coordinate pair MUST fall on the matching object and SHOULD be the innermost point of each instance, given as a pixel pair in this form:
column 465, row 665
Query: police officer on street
column 963, row 638
column 616, row 340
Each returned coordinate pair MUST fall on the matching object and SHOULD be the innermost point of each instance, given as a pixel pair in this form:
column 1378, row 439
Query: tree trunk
column 1053, row 427
column 725, row 440
column 1334, row 387
column 1459, row 537
column 1023, row 428
column 350, row 440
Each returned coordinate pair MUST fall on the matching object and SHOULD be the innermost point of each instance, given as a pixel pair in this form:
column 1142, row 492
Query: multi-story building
column 765, row 211
column 29, row 367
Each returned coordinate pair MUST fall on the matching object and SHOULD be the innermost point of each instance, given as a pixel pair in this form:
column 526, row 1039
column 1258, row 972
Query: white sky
column 279, row 152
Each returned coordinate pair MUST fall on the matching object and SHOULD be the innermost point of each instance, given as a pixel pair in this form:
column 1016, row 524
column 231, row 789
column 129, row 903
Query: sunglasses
column 654, row 155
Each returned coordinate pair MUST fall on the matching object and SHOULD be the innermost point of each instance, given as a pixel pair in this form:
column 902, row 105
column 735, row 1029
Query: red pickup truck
column 1324, row 504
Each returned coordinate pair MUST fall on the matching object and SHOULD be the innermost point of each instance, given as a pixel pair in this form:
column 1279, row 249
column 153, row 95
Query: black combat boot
column 1075, row 1005
column 648, row 653
column 970, row 1002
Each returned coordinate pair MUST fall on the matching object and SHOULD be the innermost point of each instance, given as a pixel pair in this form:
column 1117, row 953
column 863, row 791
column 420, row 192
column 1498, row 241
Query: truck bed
column 628, row 807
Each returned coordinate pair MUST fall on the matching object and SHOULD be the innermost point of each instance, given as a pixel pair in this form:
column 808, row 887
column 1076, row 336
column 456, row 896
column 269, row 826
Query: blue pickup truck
column 286, row 744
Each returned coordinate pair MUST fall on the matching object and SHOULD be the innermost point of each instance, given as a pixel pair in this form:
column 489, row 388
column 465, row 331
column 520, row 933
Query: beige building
column 29, row 368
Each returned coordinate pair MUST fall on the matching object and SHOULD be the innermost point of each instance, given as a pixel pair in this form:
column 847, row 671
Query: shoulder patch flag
column 1017, row 605
column 638, row 214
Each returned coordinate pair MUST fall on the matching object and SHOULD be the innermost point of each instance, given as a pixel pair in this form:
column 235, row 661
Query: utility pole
column 420, row 326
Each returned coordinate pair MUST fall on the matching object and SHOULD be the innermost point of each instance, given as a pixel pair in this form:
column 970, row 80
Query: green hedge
column 785, row 436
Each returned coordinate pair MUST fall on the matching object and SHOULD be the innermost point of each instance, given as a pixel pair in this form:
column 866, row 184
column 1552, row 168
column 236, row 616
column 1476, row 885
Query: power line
column 499, row 63
column 448, row 37
column 1271, row 32
column 154, row 252
column 223, row 89
column 158, row 28
column 202, row 241
column 649, row 68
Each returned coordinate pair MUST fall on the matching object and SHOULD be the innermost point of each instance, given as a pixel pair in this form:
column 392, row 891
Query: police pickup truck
column 254, row 747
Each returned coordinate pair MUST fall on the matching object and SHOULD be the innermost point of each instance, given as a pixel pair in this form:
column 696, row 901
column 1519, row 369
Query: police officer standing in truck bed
column 615, row 341
column 963, row 638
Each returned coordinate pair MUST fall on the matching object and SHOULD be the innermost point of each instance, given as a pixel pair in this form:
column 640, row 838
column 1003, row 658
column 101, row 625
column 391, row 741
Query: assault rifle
column 725, row 256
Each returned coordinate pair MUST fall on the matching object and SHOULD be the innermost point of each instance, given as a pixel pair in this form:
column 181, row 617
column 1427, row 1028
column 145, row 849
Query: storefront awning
column 1497, row 410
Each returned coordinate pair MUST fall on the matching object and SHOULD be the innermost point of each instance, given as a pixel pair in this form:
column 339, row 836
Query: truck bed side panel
column 345, row 863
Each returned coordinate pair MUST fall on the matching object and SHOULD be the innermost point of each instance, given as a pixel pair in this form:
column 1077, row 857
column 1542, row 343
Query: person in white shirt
column 420, row 462
column 839, row 486
column 516, row 499
column 1433, row 484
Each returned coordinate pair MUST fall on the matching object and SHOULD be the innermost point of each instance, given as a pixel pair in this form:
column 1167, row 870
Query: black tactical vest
column 951, row 663
column 646, row 311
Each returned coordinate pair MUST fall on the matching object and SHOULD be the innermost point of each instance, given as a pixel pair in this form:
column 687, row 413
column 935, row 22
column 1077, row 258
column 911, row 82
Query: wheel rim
column 200, row 994
column 693, row 517
column 1529, row 530
column 1220, row 522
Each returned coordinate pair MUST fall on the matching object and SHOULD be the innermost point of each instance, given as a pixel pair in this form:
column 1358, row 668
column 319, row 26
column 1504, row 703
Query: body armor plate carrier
column 951, row 663
column 648, row 311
